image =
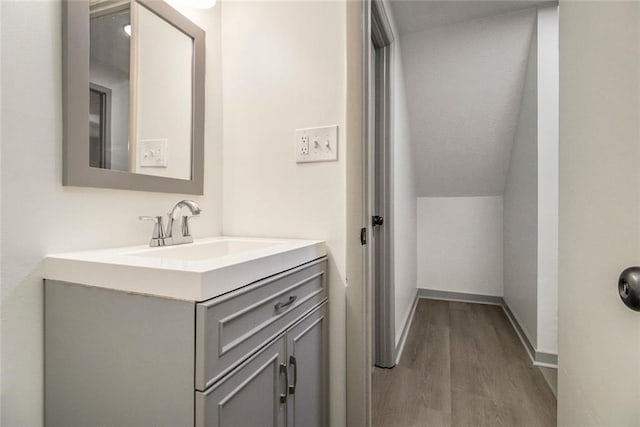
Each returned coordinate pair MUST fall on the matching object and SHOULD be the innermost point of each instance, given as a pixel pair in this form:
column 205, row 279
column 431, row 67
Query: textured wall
column 460, row 244
column 283, row 71
column 39, row 215
column 464, row 86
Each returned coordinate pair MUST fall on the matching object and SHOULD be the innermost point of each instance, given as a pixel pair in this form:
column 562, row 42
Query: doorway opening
column 460, row 194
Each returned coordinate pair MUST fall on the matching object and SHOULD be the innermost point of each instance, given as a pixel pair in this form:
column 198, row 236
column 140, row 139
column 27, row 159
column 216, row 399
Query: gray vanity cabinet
column 234, row 325
column 285, row 383
column 256, row 356
column 248, row 396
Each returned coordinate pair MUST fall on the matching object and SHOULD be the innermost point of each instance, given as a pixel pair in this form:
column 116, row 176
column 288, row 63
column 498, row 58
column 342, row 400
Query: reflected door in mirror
column 99, row 127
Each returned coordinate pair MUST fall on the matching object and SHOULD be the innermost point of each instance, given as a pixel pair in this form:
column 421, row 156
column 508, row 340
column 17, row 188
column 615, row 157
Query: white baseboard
column 405, row 330
column 538, row 358
column 459, row 296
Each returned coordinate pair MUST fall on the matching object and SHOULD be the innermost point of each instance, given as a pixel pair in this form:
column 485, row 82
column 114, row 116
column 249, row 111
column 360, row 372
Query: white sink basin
column 192, row 272
column 199, row 251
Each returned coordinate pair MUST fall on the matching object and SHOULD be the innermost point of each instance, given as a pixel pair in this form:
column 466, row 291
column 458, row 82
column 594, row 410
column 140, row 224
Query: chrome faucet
column 169, row 237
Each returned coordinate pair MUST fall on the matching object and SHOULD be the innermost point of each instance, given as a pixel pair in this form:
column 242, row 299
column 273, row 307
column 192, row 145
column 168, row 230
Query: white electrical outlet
column 153, row 153
column 316, row 144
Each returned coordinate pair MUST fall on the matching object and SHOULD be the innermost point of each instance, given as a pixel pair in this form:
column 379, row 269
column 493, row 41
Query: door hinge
column 363, row 236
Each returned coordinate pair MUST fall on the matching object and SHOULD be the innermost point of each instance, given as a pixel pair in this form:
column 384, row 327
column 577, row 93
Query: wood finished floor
column 462, row 365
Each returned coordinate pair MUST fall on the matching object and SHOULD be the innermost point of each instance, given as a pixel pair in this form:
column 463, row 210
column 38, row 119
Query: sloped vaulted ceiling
column 464, row 87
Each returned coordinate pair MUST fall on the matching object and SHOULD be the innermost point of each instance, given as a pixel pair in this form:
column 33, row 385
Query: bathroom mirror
column 134, row 96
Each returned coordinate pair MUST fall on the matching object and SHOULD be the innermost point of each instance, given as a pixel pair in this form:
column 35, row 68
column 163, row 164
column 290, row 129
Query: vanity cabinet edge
column 115, row 358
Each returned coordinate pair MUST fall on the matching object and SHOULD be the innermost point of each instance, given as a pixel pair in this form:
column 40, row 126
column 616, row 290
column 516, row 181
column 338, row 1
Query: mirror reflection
column 141, row 91
column 109, row 88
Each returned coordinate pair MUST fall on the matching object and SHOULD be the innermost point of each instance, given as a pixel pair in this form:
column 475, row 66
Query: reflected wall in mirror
column 142, row 79
column 164, row 72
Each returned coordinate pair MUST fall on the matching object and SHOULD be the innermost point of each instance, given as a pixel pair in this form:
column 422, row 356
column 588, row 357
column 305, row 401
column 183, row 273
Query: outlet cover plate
column 316, row 144
column 153, row 153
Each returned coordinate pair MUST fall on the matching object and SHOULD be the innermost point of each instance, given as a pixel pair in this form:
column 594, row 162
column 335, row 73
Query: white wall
column 464, row 84
column 599, row 209
column 39, row 215
column 285, row 68
column 404, row 204
column 357, row 315
column 424, row 15
column 548, row 105
column 460, row 244
column 531, row 193
column 521, row 208
column 164, row 91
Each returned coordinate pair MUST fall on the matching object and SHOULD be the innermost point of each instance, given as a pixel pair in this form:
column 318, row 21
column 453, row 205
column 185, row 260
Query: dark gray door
column 383, row 310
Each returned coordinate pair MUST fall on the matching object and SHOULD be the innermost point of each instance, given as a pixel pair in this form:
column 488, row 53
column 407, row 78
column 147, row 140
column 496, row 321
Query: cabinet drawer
column 231, row 327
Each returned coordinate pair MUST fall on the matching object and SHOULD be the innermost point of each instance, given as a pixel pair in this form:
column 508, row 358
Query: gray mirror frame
column 75, row 82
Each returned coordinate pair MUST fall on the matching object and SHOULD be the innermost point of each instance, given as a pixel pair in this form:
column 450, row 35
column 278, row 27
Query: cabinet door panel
column 229, row 328
column 249, row 396
column 307, row 345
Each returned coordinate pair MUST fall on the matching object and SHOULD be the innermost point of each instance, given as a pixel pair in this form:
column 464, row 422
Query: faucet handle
column 158, row 230
column 185, row 224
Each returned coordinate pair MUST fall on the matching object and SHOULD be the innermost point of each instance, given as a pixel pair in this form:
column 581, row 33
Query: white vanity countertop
column 192, row 272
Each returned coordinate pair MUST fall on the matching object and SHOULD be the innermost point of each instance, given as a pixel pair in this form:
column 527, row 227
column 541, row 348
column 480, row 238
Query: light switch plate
column 316, row 144
column 153, row 153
